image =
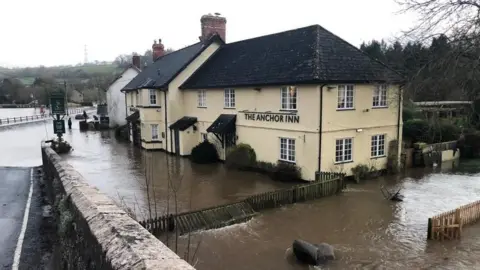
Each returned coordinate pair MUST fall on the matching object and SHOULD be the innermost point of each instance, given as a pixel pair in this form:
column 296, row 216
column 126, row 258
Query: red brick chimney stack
column 213, row 24
column 157, row 49
column 136, row 61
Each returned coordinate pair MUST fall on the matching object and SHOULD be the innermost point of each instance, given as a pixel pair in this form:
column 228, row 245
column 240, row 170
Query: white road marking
column 18, row 249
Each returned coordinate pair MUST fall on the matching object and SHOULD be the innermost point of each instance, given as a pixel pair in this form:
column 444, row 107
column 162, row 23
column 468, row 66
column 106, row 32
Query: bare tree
column 457, row 19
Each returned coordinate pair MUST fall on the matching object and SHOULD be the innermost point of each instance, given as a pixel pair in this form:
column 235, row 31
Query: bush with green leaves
column 286, row 172
column 415, row 129
column 241, row 156
column 204, row 153
column 419, row 130
column 469, row 145
column 266, row 167
column 449, row 132
column 361, row 172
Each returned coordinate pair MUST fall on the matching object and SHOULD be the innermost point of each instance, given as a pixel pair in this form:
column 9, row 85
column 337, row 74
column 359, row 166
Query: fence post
column 429, row 229
column 459, row 221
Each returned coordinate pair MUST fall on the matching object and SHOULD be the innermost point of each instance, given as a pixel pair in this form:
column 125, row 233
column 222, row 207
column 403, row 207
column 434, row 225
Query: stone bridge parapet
column 93, row 232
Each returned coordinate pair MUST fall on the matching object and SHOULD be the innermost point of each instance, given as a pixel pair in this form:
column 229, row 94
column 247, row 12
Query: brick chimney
column 213, row 24
column 136, row 61
column 157, row 49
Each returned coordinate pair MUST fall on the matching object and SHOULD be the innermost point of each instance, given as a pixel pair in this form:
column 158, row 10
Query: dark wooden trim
column 150, row 106
column 155, row 141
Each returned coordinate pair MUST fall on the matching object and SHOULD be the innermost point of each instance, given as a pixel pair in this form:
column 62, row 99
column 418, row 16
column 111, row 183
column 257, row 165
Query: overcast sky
column 54, row 32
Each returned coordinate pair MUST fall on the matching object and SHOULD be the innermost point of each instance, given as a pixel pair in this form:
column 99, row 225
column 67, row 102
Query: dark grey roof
column 224, row 124
column 133, row 117
column 183, row 123
column 305, row 55
column 164, row 69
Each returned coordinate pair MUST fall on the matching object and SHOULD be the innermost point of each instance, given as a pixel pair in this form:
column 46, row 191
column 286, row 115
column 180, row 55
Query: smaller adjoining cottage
column 303, row 96
column 116, row 105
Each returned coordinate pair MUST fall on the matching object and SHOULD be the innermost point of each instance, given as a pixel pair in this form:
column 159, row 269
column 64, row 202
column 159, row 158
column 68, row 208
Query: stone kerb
column 121, row 241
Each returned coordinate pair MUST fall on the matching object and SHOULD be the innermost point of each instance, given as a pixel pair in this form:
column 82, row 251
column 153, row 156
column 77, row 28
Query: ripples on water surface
column 367, row 231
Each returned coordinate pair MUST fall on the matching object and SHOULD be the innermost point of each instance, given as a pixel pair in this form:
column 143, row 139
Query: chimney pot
column 136, row 61
column 158, row 50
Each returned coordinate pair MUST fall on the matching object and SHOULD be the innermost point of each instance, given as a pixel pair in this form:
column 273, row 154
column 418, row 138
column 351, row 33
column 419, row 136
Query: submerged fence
column 449, row 225
column 238, row 212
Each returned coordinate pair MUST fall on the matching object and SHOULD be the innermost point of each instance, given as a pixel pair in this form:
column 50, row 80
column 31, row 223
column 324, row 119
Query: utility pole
column 66, row 99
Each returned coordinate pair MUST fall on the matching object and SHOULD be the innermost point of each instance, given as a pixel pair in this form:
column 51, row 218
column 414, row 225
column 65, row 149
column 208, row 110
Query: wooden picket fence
column 242, row 211
column 449, row 225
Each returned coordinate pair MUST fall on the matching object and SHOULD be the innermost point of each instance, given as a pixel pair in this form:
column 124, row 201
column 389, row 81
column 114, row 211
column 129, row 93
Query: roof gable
column 130, row 67
column 305, row 55
column 161, row 72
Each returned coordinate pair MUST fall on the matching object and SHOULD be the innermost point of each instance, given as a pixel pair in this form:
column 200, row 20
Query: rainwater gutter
column 166, row 123
column 126, row 109
column 399, row 112
column 320, row 129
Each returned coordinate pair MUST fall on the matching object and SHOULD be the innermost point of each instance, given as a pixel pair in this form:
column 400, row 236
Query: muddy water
column 367, row 231
column 133, row 177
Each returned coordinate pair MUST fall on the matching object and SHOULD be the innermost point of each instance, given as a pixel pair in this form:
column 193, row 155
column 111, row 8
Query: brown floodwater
column 133, row 177
column 367, row 231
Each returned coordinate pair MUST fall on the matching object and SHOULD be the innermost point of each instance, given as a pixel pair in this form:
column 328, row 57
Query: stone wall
column 93, row 232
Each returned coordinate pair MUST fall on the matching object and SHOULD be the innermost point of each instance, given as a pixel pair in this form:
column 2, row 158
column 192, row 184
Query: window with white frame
column 378, row 145
column 202, row 98
column 343, row 150
column 289, row 97
column 131, row 100
column 229, row 95
column 380, row 96
column 153, row 96
column 287, row 149
column 154, row 131
column 345, row 96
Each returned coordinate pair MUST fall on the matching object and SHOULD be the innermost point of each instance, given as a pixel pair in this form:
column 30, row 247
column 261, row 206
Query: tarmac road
column 14, row 192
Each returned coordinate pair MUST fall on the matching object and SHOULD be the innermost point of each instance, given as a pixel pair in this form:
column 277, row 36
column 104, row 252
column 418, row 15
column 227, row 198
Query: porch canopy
column 183, row 123
column 224, row 128
column 133, row 117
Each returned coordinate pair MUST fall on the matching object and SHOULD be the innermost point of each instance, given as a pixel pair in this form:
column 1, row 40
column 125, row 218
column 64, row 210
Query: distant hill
column 27, row 75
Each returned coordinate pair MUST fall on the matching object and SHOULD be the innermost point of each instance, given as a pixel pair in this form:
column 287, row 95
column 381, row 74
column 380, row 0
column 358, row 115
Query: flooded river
column 119, row 170
column 367, row 231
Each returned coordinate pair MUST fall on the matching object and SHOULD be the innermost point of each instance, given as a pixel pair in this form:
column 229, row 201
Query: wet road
column 14, row 191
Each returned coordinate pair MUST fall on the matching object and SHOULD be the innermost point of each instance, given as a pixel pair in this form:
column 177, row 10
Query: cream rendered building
column 303, row 96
